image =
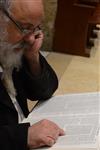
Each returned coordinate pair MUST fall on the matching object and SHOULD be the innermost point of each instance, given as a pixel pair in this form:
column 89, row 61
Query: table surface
column 75, row 74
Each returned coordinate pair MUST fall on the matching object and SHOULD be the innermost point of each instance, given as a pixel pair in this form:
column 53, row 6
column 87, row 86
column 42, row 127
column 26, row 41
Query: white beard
column 9, row 60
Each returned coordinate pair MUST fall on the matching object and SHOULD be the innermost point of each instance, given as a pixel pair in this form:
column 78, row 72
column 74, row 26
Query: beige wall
column 50, row 13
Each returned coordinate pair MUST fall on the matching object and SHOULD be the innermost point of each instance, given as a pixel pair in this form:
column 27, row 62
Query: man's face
column 27, row 14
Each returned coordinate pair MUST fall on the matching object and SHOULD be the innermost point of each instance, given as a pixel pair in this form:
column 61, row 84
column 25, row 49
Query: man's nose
column 29, row 39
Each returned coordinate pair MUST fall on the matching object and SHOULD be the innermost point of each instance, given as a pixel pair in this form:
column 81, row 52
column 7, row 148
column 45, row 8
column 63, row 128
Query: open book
column 77, row 114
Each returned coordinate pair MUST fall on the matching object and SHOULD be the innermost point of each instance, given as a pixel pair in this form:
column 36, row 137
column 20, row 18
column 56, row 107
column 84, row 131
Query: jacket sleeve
column 39, row 87
column 14, row 137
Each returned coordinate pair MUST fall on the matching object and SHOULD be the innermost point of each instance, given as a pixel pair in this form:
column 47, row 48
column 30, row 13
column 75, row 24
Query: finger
column 61, row 132
column 48, row 141
column 37, row 45
column 30, row 39
column 41, row 144
column 39, row 34
column 54, row 134
column 53, row 138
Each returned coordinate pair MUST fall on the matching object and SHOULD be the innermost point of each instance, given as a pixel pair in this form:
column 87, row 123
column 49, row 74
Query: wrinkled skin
column 43, row 133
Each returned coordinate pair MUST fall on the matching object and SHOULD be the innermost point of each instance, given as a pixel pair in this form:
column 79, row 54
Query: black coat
column 13, row 136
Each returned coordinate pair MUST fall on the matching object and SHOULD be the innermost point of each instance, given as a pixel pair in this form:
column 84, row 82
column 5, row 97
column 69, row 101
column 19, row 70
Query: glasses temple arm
column 7, row 14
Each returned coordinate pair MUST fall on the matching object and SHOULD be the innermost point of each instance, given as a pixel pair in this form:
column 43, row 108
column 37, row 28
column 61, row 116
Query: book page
column 77, row 114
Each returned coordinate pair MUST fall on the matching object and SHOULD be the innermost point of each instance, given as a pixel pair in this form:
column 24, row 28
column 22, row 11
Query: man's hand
column 34, row 41
column 43, row 133
column 31, row 53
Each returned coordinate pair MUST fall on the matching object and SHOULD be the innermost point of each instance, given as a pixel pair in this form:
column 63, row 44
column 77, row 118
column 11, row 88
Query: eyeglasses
column 19, row 27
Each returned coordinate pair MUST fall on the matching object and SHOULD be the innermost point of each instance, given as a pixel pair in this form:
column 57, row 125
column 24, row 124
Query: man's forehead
column 27, row 9
column 26, row 3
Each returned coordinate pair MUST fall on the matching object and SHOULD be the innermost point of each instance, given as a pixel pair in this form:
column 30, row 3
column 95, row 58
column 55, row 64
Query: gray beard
column 9, row 59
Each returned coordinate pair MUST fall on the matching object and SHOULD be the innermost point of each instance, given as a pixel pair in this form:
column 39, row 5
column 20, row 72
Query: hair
column 6, row 54
column 4, row 4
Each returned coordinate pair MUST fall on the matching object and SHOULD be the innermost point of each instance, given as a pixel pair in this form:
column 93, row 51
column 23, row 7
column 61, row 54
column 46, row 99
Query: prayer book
column 77, row 114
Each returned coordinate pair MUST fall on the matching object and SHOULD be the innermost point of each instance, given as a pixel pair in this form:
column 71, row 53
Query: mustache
column 20, row 45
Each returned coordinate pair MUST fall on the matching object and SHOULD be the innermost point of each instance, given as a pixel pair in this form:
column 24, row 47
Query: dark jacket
column 13, row 136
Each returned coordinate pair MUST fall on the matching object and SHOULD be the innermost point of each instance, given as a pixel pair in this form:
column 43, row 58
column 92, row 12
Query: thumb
column 61, row 132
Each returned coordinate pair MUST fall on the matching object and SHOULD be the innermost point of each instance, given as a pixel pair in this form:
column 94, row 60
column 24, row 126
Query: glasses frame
column 20, row 28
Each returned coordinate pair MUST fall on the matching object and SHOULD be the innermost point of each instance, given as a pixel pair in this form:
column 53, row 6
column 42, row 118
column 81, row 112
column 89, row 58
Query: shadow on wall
column 50, row 7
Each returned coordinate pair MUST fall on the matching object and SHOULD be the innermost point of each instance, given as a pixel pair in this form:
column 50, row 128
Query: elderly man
column 25, row 74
